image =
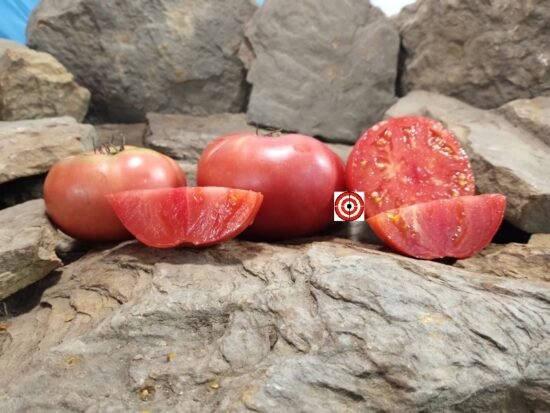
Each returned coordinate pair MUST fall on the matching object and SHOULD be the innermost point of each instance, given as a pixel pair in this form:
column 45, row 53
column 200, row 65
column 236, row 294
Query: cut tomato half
column 169, row 217
column 456, row 227
column 406, row 161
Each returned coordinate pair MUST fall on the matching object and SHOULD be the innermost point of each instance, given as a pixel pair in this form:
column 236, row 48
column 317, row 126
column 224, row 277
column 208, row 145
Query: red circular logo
column 349, row 206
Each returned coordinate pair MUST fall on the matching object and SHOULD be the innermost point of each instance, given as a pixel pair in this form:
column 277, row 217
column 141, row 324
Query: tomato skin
column 170, row 217
column 297, row 175
column 405, row 161
column 457, row 227
column 75, row 189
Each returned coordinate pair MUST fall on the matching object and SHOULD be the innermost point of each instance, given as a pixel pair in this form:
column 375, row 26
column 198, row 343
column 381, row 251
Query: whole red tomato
column 297, row 175
column 75, row 189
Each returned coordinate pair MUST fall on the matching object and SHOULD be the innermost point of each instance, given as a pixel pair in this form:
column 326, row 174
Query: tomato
column 297, row 175
column 169, row 217
column 405, row 161
column 456, row 227
column 75, row 188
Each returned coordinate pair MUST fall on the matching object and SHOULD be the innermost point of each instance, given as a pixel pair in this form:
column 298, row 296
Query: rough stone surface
column 27, row 247
column 31, row 147
column 320, row 327
column 321, row 68
column 184, row 137
column 35, row 85
column 540, row 240
column 505, row 158
column 532, row 114
column 485, row 53
column 511, row 260
column 112, row 133
column 6, row 44
column 139, row 56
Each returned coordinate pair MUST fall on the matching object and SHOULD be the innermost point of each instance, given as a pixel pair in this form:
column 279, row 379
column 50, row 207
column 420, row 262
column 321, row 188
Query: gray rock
column 505, row 158
column 321, row 68
column 31, row 147
column 184, row 137
column 35, row 85
column 108, row 133
column 27, row 247
column 321, row 327
column 144, row 56
column 532, row 114
column 511, row 260
column 485, row 53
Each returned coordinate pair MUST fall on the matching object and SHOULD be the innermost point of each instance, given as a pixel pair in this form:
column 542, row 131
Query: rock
column 6, row 44
column 505, row 158
column 341, row 150
column 322, row 327
column 35, row 85
column 27, row 247
column 532, row 114
column 112, row 133
column 21, row 190
column 184, row 137
column 142, row 56
column 511, row 260
column 540, row 240
column 321, row 68
column 31, row 147
column 485, row 53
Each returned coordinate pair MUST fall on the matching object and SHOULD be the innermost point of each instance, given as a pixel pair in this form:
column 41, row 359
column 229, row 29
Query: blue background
column 13, row 18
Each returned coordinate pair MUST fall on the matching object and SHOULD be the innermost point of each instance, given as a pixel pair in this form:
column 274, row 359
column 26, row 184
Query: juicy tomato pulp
column 405, row 161
column 457, row 227
column 169, row 217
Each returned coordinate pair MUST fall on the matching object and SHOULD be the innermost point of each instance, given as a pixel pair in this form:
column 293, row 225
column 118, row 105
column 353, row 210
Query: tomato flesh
column 457, row 227
column 169, row 217
column 408, row 160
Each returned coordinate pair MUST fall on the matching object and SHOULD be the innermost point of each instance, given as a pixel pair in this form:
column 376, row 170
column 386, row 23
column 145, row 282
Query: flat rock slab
column 108, row 133
column 485, row 53
column 321, row 68
column 27, row 247
column 31, row 147
column 532, row 114
column 35, row 85
column 184, row 137
column 144, row 56
column 321, row 327
column 511, row 260
column 505, row 158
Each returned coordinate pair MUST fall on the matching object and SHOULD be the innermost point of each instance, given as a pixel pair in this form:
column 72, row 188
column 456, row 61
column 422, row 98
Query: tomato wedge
column 457, row 227
column 405, row 161
column 170, row 217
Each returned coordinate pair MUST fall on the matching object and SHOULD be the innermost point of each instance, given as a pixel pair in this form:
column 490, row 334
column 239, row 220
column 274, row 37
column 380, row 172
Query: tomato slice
column 169, row 217
column 456, row 227
column 408, row 160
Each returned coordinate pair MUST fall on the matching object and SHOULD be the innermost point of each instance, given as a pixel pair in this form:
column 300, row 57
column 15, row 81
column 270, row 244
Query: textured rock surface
column 511, row 260
column 485, row 53
column 139, row 56
column 505, row 158
column 322, row 327
column 184, row 137
column 27, row 247
column 35, row 85
column 321, row 68
column 532, row 114
column 540, row 240
column 31, row 147
column 133, row 133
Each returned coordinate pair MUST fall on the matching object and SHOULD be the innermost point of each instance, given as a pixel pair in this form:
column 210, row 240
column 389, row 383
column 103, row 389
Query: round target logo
column 349, row 206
